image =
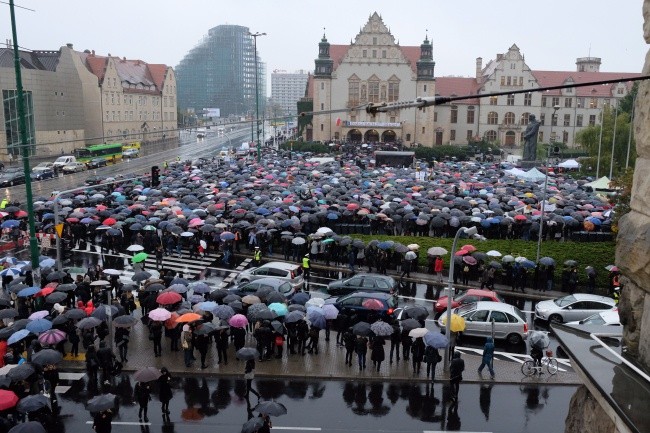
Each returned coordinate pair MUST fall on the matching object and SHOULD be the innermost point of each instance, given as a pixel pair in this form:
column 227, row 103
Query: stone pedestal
column 527, row 165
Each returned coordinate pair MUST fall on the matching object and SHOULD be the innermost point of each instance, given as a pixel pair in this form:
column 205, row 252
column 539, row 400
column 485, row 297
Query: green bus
column 110, row 152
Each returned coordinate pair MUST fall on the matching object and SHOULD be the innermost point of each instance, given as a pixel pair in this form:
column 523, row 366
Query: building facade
column 286, row 90
column 74, row 99
column 373, row 68
column 503, row 119
column 219, row 72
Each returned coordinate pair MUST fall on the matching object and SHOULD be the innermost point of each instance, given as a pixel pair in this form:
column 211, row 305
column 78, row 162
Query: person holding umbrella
column 488, row 357
column 92, row 363
column 142, row 394
column 102, row 421
column 361, row 348
column 417, row 350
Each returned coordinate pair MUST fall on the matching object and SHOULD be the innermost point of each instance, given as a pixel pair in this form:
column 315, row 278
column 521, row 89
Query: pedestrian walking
column 395, row 340
column 361, row 349
column 456, row 368
column 142, row 394
column 438, row 267
column 377, row 354
column 201, row 344
column 186, row 344
column 92, row 363
column 249, row 375
column 432, row 358
column 407, row 342
column 160, row 253
column 155, row 335
column 221, row 341
column 165, row 390
column 417, row 351
column 349, row 343
column 102, row 421
column 488, row 357
column 122, row 342
column 106, row 358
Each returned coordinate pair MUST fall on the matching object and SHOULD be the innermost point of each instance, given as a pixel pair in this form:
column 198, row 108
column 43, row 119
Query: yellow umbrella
column 457, row 322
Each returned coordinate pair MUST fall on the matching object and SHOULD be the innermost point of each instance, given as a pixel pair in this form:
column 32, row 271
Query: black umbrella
column 57, row 275
column 101, row 313
column 75, row 314
column 88, row 322
column 272, row 408
column 417, row 312
column 252, row 425
column 59, row 320
column 101, row 403
column 8, row 313
column 410, row 324
column 206, row 328
column 22, row 372
column 66, row 287
column 141, row 276
column 246, row 353
column 124, row 321
column 155, row 287
column 28, row 427
column 55, row 297
column 47, row 357
column 32, row 403
column 147, row 374
column 361, row 328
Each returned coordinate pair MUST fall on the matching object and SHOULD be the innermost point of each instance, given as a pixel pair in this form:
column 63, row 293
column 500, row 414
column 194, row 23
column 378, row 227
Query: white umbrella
column 100, row 283
column 187, row 234
column 436, row 251
column 520, row 259
column 112, row 272
column 324, row 230
column 298, row 241
column 410, row 255
column 315, row 302
column 508, row 258
column 135, row 248
column 493, row 253
column 418, row 332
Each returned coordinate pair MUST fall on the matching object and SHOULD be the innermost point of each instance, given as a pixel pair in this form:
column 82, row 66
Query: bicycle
column 529, row 368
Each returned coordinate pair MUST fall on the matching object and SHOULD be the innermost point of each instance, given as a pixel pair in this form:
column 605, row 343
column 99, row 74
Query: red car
column 466, row 297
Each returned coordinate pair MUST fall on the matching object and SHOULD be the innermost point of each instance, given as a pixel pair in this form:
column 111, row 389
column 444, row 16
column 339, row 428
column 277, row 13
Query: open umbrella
column 330, row 311
column 18, row 336
column 252, row 425
column 188, row 317
column 417, row 312
column 39, row 325
column 294, row 316
column 168, row 298
column 238, row 321
column 418, row 332
column 278, row 308
column 538, row 339
column 361, row 328
column 21, row 372
column 246, row 353
column 139, row 257
column 435, row 340
column 8, row 399
column 47, row 357
column 457, row 322
column 52, row 337
column 381, row 328
column 101, row 403
column 28, row 427
column 436, row 251
column 124, row 321
column 272, row 408
column 32, row 403
column 147, row 374
column 547, row 261
column 88, row 322
column 140, row 276
column 372, row 304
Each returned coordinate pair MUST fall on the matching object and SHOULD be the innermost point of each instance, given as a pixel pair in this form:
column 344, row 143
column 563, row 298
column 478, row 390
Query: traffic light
column 155, row 176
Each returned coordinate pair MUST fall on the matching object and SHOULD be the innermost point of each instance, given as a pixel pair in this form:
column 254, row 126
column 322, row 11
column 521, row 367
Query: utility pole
column 257, row 95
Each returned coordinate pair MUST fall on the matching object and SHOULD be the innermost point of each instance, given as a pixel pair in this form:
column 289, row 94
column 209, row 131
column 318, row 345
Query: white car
column 608, row 318
column 290, row 272
column 130, row 153
column 573, row 307
column 74, row 167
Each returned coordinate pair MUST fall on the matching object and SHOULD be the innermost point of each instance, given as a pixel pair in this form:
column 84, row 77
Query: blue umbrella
column 10, row 272
column 386, row 245
column 547, row 261
column 300, row 298
column 9, row 224
column 263, row 211
column 227, row 236
column 435, row 340
column 205, row 306
column 48, row 263
column 29, row 291
column 316, row 317
column 528, row 264
column 39, row 325
column 200, row 287
column 17, row 336
column 332, row 216
column 280, row 309
column 223, row 311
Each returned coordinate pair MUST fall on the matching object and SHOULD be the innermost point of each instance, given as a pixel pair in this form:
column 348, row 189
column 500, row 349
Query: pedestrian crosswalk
column 232, row 275
column 67, row 378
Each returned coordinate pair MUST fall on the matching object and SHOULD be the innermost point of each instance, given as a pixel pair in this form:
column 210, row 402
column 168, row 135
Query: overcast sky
column 550, row 33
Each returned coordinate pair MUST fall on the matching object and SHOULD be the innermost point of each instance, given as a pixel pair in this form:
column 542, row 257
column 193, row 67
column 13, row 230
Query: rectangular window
column 374, row 54
column 593, row 103
column 322, row 106
column 322, row 86
column 423, row 129
column 511, row 100
column 579, row 120
column 470, row 134
column 541, row 136
column 592, row 119
column 393, row 91
column 543, row 101
column 567, row 120
column 493, row 100
column 425, row 88
column 11, row 121
column 521, row 81
column 503, row 80
column 383, row 54
column 364, row 54
column 542, row 118
column 554, row 120
column 509, row 81
column 454, row 114
column 470, row 115
column 452, row 135
column 435, row 116
column 322, row 127
column 353, row 92
column 568, row 102
column 528, row 99
column 373, row 91
column 556, row 101
column 580, row 102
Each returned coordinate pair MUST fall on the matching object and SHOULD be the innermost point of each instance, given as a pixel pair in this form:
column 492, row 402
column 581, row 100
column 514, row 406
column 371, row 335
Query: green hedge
column 302, row 147
column 596, row 254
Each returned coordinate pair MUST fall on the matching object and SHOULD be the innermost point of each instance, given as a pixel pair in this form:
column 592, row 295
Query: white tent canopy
column 602, row 183
column 534, row 174
column 569, row 163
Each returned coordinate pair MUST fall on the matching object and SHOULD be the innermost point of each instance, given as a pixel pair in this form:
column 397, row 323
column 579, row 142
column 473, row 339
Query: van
column 290, row 272
column 62, row 161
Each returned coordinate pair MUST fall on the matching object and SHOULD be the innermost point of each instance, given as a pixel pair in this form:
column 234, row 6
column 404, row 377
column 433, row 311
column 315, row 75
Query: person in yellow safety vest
column 4, row 203
column 257, row 257
column 165, row 165
column 178, row 158
column 305, row 269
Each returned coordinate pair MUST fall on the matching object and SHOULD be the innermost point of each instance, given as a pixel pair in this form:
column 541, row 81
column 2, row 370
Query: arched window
column 509, row 118
column 524, row 118
column 491, row 136
column 493, row 118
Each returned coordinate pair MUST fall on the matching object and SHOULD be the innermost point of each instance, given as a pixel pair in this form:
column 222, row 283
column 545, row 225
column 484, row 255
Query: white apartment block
column 287, row 88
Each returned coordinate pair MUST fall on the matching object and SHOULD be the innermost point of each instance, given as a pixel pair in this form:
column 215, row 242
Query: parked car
column 362, row 282
column 572, row 307
column 12, row 176
column 96, row 163
column 41, row 173
column 94, row 180
column 466, row 297
column 62, row 161
column 509, row 322
column 608, row 318
column 365, row 305
column 130, row 153
column 250, row 288
column 286, row 271
column 44, row 165
column 74, row 167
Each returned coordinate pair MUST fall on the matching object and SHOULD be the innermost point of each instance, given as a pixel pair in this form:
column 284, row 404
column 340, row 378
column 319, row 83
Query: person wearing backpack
column 432, row 358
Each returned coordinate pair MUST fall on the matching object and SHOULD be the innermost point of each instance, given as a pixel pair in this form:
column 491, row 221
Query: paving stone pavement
column 328, row 364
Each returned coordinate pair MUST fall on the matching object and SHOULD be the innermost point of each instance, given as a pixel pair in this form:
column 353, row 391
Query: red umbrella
column 461, row 252
column 171, row 322
column 72, row 220
column 109, row 221
column 373, row 304
column 168, row 298
column 188, row 317
column 469, row 248
column 520, row 218
column 470, row 260
column 21, row 214
column 44, row 292
column 8, row 399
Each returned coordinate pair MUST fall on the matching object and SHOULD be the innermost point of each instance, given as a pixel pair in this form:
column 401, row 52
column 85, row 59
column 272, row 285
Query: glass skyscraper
column 219, row 72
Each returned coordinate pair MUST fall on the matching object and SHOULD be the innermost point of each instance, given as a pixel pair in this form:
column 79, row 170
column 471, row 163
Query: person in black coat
column 102, row 421
column 377, row 354
column 142, row 394
column 156, row 332
column 349, row 343
column 238, row 338
column 122, row 342
column 395, row 340
column 92, row 363
column 105, row 356
column 221, row 340
column 406, row 345
column 165, row 390
column 456, row 368
column 417, row 350
column 201, row 344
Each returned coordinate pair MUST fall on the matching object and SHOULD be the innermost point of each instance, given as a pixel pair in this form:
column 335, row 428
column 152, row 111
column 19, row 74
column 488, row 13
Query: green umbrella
column 149, row 227
column 140, row 257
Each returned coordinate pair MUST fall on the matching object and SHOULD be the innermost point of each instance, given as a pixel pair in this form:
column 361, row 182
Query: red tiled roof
column 338, row 52
column 457, row 86
column 97, row 65
column 557, row 78
column 158, row 73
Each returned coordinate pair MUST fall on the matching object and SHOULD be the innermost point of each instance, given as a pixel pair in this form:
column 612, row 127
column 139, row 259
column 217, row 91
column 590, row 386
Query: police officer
column 4, row 203
column 257, row 257
column 306, row 266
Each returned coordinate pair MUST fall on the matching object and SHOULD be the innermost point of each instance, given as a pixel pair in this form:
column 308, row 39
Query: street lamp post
column 543, row 202
column 469, row 231
column 257, row 95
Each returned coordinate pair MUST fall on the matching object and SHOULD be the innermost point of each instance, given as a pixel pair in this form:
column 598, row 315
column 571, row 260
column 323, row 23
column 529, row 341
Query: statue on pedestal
column 530, row 137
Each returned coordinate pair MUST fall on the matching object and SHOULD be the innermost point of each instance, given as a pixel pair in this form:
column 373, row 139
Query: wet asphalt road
column 204, row 404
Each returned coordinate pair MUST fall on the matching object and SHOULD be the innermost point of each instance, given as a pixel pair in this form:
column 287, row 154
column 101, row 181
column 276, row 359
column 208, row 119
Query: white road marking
column 124, row 423
column 417, row 299
column 297, row 428
column 62, row 389
column 71, row 376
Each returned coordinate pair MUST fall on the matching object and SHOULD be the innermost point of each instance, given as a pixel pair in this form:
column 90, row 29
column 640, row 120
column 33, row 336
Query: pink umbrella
column 159, row 315
column 196, row 222
column 470, row 260
column 238, row 321
column 52, row 337
column 39, row 315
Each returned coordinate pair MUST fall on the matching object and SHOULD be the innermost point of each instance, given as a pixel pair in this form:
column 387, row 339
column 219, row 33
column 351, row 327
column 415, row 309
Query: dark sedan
column 94, row 180
column 96, row 163
column 41, row 173
column 366, row 306
column 362, row 282
column 12, row 177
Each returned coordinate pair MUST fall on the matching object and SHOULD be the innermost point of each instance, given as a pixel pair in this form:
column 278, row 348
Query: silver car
column 571, row 308
column 509, row 322
column 290, row 272
column 276, row 284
